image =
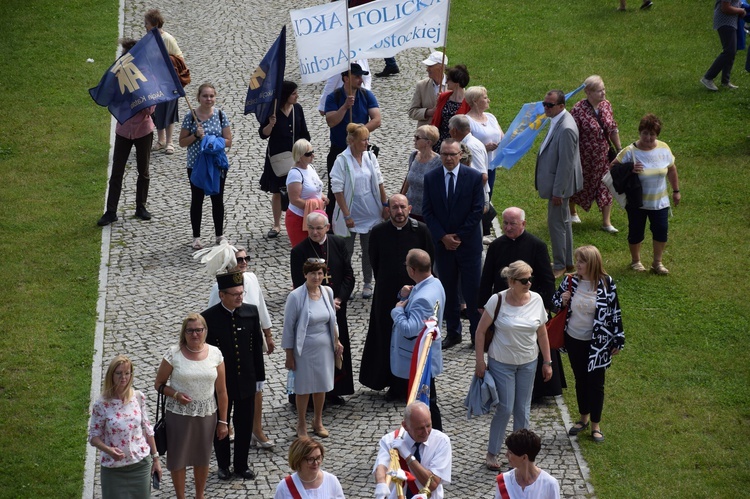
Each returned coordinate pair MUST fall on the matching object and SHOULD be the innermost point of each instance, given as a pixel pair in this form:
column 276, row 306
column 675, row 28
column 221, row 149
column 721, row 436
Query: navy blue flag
column 139, row 79
column 265, row 82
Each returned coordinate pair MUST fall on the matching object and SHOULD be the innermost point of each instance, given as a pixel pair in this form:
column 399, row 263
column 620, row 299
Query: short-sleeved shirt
column 212, row 126
column 196, row 378
column 171, row 44
column 514, row 342
column 312, row 186
column 364, row 100
column 721, row 19
column 653, row 179
column 123, row 425
column 487, row 132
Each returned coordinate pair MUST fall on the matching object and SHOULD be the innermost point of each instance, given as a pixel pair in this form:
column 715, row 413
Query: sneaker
column 367, row 291
column 575, row 219
column 610, row 228
column 142, row 213
column 197, row 243
column 709, row 84
column 107, row 219
column 487, row 240
column 730, row 85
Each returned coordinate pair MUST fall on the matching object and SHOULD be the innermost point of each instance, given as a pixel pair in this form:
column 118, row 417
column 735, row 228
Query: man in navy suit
column 417, row 304
column 452, row 208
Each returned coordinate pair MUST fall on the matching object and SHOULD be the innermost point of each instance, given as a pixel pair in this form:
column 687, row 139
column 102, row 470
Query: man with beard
column 390, row 242
column 339, row 276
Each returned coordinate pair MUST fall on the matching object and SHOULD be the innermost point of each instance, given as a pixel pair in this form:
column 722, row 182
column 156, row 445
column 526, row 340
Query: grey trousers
column 560, row 234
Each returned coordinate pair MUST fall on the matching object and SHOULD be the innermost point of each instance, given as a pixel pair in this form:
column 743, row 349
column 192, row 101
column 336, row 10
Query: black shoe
column 388, row 71
column 392, row 395
column 107, row 219
column 224, row 474
column 450, row 342
column 335, row 400
column 142, row 213
column 464, row 314
column 248, row 474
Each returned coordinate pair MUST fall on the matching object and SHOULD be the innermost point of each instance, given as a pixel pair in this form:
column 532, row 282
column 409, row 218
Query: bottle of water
column 290, row 383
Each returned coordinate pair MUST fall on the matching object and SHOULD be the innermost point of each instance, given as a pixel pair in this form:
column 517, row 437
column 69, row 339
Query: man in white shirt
column 424, row 452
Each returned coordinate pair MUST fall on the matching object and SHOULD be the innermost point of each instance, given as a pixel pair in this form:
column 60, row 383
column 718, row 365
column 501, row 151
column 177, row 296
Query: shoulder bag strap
column 292, row 488
column 497, row 309
column 501, row 487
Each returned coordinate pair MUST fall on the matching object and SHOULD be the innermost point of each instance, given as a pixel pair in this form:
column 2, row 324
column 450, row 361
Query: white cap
column 435, row 58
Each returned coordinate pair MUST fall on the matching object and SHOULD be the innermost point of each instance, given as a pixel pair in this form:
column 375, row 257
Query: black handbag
column 490, row 334
column 160, row 428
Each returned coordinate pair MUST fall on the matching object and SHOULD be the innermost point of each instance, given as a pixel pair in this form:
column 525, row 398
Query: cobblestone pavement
column 153, row 282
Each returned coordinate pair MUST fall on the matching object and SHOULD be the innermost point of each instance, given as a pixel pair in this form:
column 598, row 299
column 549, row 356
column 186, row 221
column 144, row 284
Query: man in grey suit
column 558, row 177
column 416, row 305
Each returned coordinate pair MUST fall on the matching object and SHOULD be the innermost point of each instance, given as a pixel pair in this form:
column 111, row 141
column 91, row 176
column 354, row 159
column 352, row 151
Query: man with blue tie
column 452, row 208
column 558, row 177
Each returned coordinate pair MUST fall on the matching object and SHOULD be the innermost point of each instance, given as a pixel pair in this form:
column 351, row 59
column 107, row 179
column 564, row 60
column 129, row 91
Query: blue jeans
column 514, row 387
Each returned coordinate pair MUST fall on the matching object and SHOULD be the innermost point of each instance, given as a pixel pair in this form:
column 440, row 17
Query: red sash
column 501, row 486
column 411, row 482
column 292, row 488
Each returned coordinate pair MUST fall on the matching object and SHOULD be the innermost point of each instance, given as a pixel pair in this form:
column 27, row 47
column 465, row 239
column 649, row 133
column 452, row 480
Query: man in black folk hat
column 234, row 327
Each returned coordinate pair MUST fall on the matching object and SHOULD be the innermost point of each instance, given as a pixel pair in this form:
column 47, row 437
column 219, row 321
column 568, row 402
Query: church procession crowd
column 426, row 250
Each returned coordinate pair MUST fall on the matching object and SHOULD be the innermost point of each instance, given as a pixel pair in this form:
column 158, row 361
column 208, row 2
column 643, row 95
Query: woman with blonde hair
column 306, row 458
column 120, row 428
column 361, row 202
column 196, row 403
column 593, row 333
column 520, row 333
column 421, row 161
column 305, row 191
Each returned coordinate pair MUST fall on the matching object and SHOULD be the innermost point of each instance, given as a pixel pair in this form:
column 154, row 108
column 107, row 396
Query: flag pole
column 349, row 61
column 426, row 345
column 445, row 46
column 192, row 111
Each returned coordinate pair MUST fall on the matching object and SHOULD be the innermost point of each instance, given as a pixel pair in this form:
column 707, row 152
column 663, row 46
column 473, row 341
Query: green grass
column 53, row 154
column 676, row 414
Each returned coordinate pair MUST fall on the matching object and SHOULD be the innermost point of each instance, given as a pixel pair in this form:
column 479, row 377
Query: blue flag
column 265, row 82
column 139, row 79
column 522, row 132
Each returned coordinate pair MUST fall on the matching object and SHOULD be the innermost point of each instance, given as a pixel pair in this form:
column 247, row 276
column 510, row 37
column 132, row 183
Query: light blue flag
column 522, row 132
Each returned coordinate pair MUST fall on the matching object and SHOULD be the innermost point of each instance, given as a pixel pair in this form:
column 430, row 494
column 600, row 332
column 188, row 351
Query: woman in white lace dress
column 194, row 371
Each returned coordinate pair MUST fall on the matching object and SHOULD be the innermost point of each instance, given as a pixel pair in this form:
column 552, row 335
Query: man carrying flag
column 417, row 304
column 141, row 78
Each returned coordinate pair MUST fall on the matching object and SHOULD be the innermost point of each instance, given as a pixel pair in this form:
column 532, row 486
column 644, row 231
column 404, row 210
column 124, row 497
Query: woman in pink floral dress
column 121, row 430
column 596, row 127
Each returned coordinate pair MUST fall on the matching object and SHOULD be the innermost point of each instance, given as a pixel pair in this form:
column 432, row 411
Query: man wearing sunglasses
column 558, row 177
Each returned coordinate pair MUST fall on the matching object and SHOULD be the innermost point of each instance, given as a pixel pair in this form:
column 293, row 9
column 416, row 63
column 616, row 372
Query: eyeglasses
column 549, row 105
column 309, row 153
column 243, row 259
column 417, row 137
column 314, row 460
column 450, row 154
column 316, row 260
column 234, row 295
column 525, row 280
column 198, row 330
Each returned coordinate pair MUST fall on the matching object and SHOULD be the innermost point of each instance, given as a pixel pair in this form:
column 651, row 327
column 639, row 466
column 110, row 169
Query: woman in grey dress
column 310, row 340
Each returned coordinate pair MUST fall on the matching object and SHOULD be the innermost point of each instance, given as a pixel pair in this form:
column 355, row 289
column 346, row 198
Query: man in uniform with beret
column 234, row 327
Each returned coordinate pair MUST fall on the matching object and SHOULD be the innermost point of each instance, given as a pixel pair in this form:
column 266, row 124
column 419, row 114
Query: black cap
column 356, row 71
column 232, row 280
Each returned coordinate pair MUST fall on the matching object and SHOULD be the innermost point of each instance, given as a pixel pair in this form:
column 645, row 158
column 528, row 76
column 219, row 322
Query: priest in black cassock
column 517, row 244
column 340, row 277
column 390, row 241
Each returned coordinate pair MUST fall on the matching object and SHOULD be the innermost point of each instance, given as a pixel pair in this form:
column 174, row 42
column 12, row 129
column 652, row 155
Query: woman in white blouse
column 513, row 352
column 306, row 459
column 254, row 296
column 195, row 372
column 303, row 184
column 361, row 202
column 121, row 430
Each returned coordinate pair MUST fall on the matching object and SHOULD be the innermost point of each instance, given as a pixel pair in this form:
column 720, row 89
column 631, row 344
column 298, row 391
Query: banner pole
column 445, row 47
column 349, row 62
column 192, row 111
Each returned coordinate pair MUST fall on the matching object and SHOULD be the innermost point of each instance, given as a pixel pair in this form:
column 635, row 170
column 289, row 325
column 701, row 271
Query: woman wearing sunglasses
column 306, row 458
column 593, row 334
column 512, row 355
column 253, row 294
column 305, row 191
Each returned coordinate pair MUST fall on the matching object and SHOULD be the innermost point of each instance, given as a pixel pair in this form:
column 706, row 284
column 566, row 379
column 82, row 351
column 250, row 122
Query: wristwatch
column 547, row 363
column 410, row 459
